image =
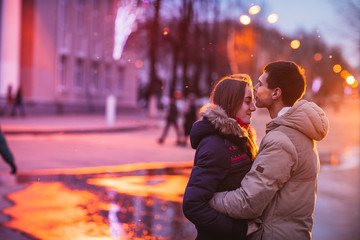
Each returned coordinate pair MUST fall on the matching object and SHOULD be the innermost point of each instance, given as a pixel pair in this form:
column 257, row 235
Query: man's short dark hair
column 289, row 77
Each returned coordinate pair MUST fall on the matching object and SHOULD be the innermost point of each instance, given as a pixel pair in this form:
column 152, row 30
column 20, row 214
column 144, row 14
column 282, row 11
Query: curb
column 76, row 131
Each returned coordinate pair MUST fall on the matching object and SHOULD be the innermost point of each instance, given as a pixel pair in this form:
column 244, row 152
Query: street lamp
column 254, row 10
column 337, row 68
column 295, row 44
column 245, row 19
column 272, row 18
column 350, row 80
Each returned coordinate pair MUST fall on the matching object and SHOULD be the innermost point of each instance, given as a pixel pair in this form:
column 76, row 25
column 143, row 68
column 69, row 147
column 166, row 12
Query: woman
column 225, row 149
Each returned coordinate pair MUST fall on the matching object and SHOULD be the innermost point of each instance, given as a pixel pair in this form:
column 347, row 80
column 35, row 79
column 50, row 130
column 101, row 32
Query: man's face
column 263, row 98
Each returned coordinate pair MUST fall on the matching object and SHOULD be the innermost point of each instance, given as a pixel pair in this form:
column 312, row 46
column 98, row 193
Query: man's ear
column 276, row 94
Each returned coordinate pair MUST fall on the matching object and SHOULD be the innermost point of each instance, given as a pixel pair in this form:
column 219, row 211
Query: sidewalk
column 82, row 123
column 83, row 141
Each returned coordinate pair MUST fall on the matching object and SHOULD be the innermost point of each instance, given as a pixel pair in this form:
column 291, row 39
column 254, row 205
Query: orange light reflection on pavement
column 166, row 187
column 120, row 168
column 52, row 211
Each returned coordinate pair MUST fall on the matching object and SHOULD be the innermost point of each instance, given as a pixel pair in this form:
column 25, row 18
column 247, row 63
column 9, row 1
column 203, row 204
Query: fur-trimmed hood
column 305, row 117
column 215, row 120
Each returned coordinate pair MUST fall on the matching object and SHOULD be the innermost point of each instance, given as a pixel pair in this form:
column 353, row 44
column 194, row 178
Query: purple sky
column 322, row 16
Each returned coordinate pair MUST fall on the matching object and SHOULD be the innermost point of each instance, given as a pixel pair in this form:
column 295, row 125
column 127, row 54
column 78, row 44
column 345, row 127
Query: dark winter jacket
column 221, row 161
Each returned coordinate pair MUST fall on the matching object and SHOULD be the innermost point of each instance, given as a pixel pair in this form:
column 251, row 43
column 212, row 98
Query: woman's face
column 247, row 107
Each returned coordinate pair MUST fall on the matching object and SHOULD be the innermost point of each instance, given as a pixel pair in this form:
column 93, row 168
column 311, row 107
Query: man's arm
column 270, row 171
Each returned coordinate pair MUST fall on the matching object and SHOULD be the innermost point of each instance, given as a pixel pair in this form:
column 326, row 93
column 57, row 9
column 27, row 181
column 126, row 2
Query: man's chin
column 258, row 105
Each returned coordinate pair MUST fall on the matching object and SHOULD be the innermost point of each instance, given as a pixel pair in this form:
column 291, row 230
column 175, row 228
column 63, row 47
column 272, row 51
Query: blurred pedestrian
column 171, row 120
column 18, row 103
column 9, row 100
column 225, row 149
column 280, row 188
column 190, row 116
column 6, row 153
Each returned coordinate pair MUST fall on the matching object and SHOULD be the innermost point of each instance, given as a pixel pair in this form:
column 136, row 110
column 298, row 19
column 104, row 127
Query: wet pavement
column 90, row 182
column 143, row 203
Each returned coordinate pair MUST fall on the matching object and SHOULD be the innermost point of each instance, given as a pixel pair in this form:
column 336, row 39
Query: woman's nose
column 252, row 107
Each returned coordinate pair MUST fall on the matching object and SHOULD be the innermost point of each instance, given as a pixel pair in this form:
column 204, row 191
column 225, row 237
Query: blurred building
column 61, row 54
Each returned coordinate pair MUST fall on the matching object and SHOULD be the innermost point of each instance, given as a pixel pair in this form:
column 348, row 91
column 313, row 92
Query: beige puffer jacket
column 280, row 189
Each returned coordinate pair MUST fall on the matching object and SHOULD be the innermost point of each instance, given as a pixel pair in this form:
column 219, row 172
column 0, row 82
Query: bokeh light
column 347, row 90
column 254, row 10
column 245, row 19
column 317, row 57
column 344, row 74
column 272, row 18
column 337, row 68
column 166, row 31
column 146, row 3
column 350, row 80
column 138, row 63
column 355, row 84
column 295, row 44
column 316, row 85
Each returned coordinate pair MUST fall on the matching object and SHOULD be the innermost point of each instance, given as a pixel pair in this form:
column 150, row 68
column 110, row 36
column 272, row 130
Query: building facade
column 60, row 52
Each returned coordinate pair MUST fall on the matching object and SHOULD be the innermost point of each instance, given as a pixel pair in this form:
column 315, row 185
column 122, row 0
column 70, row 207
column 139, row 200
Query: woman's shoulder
column 213, row 142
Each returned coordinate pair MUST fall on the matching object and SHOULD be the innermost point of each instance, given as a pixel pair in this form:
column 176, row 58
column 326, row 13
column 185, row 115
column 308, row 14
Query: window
column 79, row 73
column 95, row 76
column 62, row 73
column 107, row 74
column 64, row 23
column 96, row 17
column 80, row 16
column 120, row 79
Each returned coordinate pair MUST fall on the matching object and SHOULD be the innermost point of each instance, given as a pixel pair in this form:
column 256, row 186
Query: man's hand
column 252, row 227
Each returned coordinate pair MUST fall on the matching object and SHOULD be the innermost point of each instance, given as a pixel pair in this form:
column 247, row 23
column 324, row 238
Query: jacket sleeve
column 270, row 171
column 211, row 166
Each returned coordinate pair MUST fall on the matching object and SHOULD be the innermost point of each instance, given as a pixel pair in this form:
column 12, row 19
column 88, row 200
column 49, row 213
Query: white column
column 110, row 110
column 10, row 45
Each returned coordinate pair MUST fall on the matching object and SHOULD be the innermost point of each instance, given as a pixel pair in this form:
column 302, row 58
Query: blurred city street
column 81, row 179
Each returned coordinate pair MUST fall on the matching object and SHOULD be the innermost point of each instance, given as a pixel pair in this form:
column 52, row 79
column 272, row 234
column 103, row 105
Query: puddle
column 143, row 203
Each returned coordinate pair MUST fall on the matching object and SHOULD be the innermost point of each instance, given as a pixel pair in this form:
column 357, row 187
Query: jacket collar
column 221, row 121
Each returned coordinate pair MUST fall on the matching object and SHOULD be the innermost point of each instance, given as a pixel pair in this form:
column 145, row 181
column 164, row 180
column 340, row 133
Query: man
column 171, row 119
column 280, row 189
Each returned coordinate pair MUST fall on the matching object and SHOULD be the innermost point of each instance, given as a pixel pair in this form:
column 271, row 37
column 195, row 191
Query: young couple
column 237, row 191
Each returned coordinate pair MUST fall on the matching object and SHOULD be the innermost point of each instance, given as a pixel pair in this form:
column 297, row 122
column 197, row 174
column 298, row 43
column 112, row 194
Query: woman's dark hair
column 229, row 93
column 289, row 77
